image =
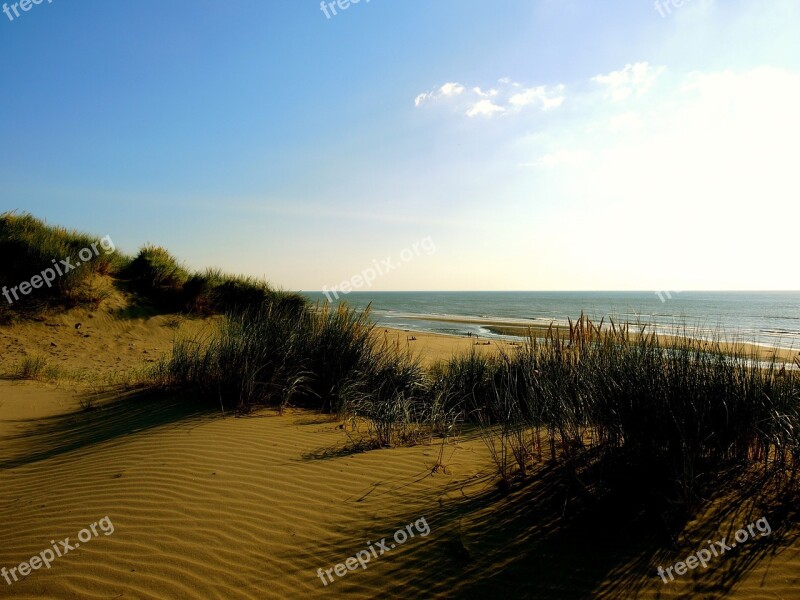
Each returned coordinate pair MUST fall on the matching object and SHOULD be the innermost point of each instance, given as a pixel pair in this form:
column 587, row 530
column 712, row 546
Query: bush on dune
column 156, row 274
column 275, row 355
column 215, row 292
column 250, row 360
column 29, row 246
column 672, row 418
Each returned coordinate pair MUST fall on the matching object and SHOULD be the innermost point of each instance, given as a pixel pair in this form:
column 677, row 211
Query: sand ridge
column 235, row 507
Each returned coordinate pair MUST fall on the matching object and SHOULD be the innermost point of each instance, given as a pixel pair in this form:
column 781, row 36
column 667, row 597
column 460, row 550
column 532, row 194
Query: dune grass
column 156, row 274
column 214, row 292
column 675, row 416
column 36, row 368
column 29, row 246
column 276, row 355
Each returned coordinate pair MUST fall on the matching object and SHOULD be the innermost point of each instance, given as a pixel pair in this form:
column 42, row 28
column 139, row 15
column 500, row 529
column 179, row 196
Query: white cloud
column 489, row 94
column 492, row 101
column 448, row 89
column 422, row 98
column 543, row 96
column 451, row 89
column 633, row 79
column 485, row 108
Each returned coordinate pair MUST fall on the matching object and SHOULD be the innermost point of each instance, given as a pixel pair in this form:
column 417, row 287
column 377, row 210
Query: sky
column 522, row 145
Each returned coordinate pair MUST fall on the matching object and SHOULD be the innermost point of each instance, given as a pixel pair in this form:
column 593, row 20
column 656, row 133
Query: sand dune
column 85, row 343
column 203, row 506
column 250, row 507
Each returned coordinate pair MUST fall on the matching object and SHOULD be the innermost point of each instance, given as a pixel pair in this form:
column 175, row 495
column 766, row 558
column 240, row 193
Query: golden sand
column 250, row 507
column 433, row 348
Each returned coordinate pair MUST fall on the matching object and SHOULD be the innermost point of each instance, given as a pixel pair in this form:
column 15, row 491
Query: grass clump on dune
column 215, row 292
column 671, row 418
column 156, row 274
column 276, row 355
column 36, row 368
column 29, row 246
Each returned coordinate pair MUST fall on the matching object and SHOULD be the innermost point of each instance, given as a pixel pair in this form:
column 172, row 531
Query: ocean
column 767, row 318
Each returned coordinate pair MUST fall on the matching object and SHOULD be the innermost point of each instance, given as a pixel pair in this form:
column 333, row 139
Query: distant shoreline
column 434, row 346
column 768, row 319
column 519, row 328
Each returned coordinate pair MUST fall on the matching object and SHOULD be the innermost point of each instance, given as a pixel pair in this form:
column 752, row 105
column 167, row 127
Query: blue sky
column 546, row 144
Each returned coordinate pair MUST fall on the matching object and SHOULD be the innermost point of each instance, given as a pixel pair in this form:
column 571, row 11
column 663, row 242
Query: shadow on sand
column 552, row 540
column 115, row 415
column 547, row 539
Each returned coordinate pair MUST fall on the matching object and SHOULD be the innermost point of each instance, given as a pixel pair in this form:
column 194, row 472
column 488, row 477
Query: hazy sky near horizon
column 540, row 144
